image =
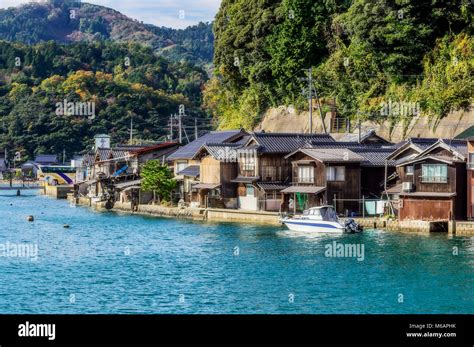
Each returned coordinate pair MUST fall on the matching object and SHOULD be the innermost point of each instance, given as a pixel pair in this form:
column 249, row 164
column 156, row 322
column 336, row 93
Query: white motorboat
column 321, row 219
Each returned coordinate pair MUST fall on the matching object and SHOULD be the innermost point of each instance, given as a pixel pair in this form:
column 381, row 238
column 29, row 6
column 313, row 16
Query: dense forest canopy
column 364, row 52
column 66, row 21
column 122, row 80
column 57, row 52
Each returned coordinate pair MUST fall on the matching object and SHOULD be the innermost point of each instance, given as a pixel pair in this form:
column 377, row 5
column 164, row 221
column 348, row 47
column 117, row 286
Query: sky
column 158, row 12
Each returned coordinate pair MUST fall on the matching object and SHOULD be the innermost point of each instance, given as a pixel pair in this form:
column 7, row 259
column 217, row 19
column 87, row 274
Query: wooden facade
column 220, row 173
column 428, row 208
column 348, row 188
column 264, row 168
column 442, row 199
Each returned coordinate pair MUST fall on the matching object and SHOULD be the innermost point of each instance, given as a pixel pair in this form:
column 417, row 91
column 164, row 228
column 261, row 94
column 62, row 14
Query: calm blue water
column 112, row 263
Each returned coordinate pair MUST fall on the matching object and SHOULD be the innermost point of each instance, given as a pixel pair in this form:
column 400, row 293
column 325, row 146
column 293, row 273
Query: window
column 434, row 173
column 250, row 190
column 305, row 174
column 180, row 166
column 248, row 163
column 336, row 173
column 410, row 170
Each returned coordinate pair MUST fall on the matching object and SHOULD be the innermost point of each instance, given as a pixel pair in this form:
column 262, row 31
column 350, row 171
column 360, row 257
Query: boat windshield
column 329, row 214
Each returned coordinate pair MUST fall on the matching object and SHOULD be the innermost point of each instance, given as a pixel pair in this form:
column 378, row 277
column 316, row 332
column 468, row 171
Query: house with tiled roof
column 366, row 138
column 263, row 170
column 321, row 175
column 122, row 163
column 218, row 167
column 432, row 180
column 186, row 163
column 46, row 159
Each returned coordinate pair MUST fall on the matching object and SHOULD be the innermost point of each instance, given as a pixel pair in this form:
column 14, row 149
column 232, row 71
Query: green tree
column 157, row 178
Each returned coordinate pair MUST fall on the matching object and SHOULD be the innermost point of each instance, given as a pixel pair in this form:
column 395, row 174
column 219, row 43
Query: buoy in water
column 66, row 226
column 30, row 218
column 18, row 192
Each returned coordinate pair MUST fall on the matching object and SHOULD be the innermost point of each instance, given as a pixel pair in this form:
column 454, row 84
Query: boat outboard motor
column 352, row 226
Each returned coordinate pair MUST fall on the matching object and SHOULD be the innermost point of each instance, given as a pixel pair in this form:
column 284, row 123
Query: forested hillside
column 364, row 53
column 122, row 80
column 67, row 21
column 63, row 51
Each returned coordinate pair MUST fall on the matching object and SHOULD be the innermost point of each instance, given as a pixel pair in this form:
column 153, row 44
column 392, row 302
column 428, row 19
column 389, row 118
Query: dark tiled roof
column 354, row 137
column 133, row 147
column 459, row 145
column 351, row 145
column 191, row 171
column 374, row 156
column 46, row 158
column 223, row 152
column 455, row 145
column 328, row 155
column 286, row 142
column 155, row 147
column 425, row 142
column 272, row 185
column 88, row 159
column 191, row 149
column 119, row 153
column 104, row 153
column 243, row 140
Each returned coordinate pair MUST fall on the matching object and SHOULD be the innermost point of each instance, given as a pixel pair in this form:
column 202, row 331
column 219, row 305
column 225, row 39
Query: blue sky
column 158, row 12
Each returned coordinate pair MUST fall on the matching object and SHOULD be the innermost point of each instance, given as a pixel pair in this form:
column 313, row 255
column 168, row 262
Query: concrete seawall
column 240, row 216
column 200, row 214
column 58, row 192
column 460, row 228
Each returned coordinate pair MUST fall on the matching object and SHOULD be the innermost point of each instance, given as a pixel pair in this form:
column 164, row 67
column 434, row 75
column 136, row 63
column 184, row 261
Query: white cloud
column 158, row 12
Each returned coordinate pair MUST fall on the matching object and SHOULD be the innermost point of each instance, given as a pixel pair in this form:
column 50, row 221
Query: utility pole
column 320, row 110
column 359, row 126
column 180, row 136
column 181, row 114
column 310, row 92
column 131, row 129
column 171, row 127
column 195, row 128
column 64, row 155
column 310, row 88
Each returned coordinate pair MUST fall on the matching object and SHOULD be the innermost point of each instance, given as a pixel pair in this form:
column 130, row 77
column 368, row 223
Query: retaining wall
column 58, row 192
column 222, row 215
